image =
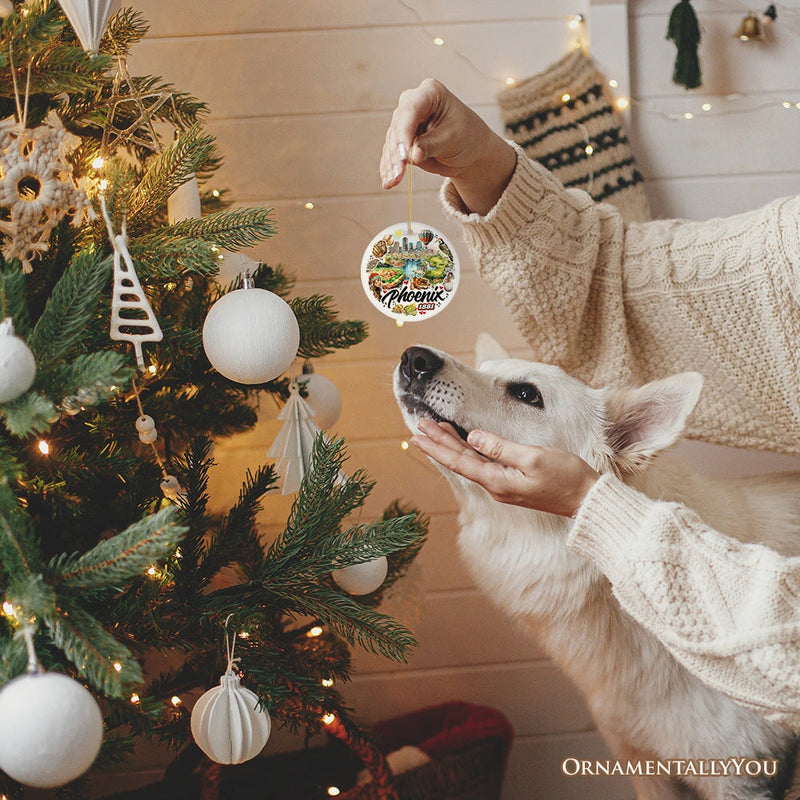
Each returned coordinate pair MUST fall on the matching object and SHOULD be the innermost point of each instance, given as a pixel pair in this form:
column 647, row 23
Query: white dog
column 645, row 704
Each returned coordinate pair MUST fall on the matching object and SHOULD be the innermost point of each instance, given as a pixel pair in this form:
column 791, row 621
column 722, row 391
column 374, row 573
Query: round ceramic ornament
column 363, row 578
column 410, row 273
column 251, row 335
column 51, row 729
column 17, row 364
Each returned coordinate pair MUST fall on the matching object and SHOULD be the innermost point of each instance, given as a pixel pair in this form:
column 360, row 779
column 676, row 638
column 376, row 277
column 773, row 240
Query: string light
column 152, row 369
column 8, row 609
column 117, row 666
column 103, row 185
column 328, row 719
column 44, row 447
column 244, row 635
column 98, row 163
column 327, row 682
column 510, row 81
column 404, row 445
column 399, row 323
column 313, row 632
column 175, row 700
column 438, row 41
column 215, row 192
column 309, row 205
column 135, row 698
column 151, row 571
column 566, row 97
column 333, row 791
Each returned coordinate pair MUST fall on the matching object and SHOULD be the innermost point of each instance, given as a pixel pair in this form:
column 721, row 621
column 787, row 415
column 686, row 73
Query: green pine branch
column 13, row 300
column 321, row 332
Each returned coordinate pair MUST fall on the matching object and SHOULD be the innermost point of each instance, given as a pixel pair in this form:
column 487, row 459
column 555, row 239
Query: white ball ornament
column 364, row 578
column 51, row 729
column 323, row 397
column 251, row 335
column 227, row 724
column 17, row 364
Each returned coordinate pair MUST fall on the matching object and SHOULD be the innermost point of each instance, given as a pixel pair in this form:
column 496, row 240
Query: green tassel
column 684, row 30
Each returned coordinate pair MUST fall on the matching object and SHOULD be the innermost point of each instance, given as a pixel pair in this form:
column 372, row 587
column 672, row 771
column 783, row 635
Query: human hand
column 541, row 478
column 432, row 129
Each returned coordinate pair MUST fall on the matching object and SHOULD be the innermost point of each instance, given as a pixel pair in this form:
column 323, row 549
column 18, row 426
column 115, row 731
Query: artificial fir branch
column 13, row 301
column 321, row 332
column 235, row 229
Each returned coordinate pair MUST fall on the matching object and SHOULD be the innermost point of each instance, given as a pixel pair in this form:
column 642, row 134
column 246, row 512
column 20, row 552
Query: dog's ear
column 642, row 422
column 487, row 349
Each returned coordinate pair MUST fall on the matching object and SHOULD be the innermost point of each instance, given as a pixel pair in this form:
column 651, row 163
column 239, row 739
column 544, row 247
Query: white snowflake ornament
column 37, row 186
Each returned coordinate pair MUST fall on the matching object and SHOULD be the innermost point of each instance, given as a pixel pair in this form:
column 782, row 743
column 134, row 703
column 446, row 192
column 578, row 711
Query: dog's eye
column 526, row 393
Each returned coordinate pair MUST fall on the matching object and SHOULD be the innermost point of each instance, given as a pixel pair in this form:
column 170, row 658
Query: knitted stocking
column 555, row 131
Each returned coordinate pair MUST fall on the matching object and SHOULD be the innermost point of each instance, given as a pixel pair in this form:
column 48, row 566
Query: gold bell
column 750, row 29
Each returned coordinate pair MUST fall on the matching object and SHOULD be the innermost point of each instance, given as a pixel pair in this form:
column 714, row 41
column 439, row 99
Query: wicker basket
column 468, row 746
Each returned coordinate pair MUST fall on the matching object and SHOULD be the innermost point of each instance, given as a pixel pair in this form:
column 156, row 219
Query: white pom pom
column 251, row 335
column 227, row 724
column 323, row 397
column 17, row 364
column 52, row 729
column 362, row 578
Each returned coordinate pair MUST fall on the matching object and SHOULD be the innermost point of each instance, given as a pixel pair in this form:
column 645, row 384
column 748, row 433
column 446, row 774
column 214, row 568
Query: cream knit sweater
column 613, row 303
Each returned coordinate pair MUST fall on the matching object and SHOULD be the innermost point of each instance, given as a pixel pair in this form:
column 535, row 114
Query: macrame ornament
column 228, row 724
column 132, row 318
column 37, row 186
column 684, row 31
column 564, row 119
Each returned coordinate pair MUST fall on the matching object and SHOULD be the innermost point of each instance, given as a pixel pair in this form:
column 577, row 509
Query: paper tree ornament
column 294, row 443
column 89, row 19
column 184, row 202
column 132, row 318
column 56, row 732
column 37, row 186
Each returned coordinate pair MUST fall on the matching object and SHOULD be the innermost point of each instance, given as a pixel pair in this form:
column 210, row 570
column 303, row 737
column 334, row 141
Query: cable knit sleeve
column 730, row 612
column 546, row 251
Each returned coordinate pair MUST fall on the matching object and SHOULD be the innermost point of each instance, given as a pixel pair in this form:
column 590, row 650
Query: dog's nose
column 419, row 363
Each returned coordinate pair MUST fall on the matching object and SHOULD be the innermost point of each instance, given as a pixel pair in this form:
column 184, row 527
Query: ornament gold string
column 409, row 170
column 159, row 460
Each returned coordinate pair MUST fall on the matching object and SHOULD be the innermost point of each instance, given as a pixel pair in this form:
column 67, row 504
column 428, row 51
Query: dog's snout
column 419, row 363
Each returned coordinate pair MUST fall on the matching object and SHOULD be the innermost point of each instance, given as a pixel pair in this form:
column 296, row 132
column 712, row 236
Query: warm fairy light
column 44, row 447
column 706, row 106
column 152, row 369
column 315, row 631
column 175, row 700
column 214, row 248
column 575, row 22
column 117, row 666
column 134, row 698
column 244, row 635
column 404, row 445
column 399, row 323
column 510, row 81
column 309, row 205
column 613, row 83
column 8, row 609
column 786, row 104
column 566, row 97
column 333, row 791
column 103, row 185
column 622, row 103
column 328, row 718
column 588, row 150
column 98, row 162
column 151, row 571
column 688, row 115
column 438, row 41
column 215, row 192
column 327, row 682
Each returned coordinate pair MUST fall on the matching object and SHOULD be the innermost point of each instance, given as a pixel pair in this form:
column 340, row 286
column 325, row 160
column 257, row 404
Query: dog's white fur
column 645, row 704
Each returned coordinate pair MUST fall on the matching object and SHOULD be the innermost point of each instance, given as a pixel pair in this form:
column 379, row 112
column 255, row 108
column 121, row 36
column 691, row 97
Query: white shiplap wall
column 300, row 96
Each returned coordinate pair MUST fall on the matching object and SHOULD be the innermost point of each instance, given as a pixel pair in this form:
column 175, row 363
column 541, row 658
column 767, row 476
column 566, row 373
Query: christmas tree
column 109, row 406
